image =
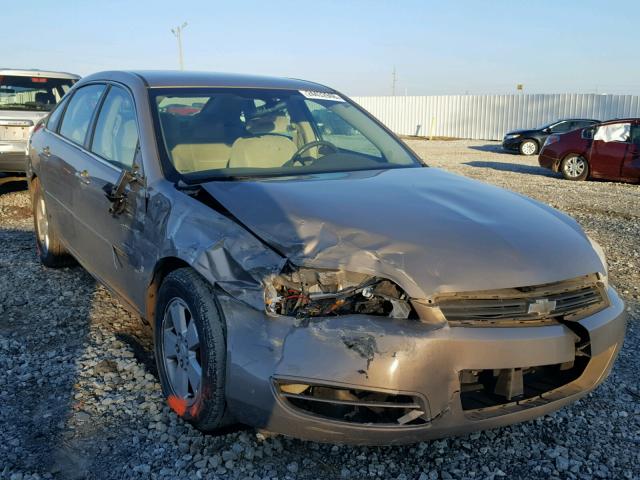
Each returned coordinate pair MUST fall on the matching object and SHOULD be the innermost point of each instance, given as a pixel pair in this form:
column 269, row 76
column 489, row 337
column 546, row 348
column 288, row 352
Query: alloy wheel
column 181, row 350
column 528, row 148
column 574, row 167
column 42, row 223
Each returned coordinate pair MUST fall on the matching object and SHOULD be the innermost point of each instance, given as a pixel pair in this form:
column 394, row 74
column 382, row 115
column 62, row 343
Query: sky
column 436, row 48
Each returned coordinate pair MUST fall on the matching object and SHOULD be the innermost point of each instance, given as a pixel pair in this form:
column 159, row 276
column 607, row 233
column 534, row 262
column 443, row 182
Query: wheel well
column 576, row 154
column 31, row 179
column 163, row 268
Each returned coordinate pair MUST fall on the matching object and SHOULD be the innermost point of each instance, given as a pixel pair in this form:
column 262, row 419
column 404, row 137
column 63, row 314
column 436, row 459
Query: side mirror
column 547, row 130
column 116, row 193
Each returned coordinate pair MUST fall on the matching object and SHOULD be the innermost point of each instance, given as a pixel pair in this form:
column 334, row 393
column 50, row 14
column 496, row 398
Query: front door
column 111, row 238
column 608, row 150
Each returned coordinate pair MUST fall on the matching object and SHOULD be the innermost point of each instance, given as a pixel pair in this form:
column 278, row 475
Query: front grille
column 568, row 300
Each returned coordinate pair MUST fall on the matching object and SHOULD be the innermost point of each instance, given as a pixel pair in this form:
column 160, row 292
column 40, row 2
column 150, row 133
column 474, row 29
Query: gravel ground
column 80, row 397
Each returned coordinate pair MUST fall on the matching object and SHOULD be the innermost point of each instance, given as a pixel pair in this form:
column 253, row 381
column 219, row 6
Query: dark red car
column 610, row 150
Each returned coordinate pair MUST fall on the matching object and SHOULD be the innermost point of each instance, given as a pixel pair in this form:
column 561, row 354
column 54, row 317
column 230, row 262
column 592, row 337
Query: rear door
column 110, row 240
column 631, row 164
column 608, row 149
column 62, row 158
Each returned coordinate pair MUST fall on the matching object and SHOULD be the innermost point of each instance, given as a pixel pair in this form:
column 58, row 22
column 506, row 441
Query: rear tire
column 190, row 350
column 574, row 167
column 529, row 147
column 50, row 250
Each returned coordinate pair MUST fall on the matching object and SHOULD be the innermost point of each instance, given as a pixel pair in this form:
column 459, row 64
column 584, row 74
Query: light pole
column 393, row 82
column 178, row 34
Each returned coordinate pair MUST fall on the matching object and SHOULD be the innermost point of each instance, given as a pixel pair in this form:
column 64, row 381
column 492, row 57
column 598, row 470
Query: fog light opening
column 354, row 405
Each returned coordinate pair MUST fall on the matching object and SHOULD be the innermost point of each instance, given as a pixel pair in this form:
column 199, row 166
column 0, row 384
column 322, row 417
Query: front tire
column 190, row 349
column 529, row 147
column 574, row 167
column 50, row 250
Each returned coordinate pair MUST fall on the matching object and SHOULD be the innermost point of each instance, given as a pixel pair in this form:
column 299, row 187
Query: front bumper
column 405, row 358
column 511, row 144
column 546, row 160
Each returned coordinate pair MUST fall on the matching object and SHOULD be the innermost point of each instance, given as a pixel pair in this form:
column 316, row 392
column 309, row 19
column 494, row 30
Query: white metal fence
column 488, row 117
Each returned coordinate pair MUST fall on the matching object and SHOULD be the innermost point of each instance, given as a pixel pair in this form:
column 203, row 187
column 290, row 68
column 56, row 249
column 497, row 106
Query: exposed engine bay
column 309, row 292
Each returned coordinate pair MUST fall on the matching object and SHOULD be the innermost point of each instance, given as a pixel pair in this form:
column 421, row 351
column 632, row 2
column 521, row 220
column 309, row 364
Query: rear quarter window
column 53, row 121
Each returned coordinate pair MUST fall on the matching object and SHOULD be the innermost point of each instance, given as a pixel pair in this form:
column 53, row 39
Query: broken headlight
column 308, row 292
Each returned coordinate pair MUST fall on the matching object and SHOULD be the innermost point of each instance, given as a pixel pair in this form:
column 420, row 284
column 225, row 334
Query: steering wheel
column 297, row 157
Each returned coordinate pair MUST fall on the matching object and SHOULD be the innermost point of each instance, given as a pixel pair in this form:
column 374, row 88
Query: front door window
column 116, row 134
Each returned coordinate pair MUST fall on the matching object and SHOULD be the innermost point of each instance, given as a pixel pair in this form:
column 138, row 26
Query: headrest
column 227, row 107
column 43, row 97
column 268, row 124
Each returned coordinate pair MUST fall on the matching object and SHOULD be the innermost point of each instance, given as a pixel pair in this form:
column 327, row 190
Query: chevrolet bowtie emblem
column 542, row 306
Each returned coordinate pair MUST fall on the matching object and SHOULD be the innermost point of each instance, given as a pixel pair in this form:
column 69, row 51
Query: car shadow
column 44, row 329
column 142, row 349
column 514, row 167
column 12, row 183
column 491, row 147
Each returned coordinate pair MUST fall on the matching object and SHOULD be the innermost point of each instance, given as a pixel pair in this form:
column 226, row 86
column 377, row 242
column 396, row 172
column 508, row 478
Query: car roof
column 178, row 78
column 578, row 120
column 36, row 73
column 621, row 120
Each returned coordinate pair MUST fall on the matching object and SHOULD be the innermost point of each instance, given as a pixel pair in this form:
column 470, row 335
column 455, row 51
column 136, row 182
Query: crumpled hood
column 428, row 230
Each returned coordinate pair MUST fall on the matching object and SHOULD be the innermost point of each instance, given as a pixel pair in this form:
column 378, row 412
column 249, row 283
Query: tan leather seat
column 195, row 157
column 266, row 149
column 205, row 142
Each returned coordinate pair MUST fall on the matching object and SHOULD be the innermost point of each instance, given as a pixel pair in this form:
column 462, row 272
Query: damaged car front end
column 461, row 362
column 304, row 272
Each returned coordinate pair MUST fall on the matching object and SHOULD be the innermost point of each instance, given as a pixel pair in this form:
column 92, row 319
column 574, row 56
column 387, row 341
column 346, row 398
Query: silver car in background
column 26, row 97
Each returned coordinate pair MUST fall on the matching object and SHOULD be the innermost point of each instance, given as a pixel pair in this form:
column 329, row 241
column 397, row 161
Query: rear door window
column 79, row 113
column 116, row 134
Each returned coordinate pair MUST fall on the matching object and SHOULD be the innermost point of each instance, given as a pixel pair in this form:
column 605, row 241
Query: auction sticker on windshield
column 322, row 95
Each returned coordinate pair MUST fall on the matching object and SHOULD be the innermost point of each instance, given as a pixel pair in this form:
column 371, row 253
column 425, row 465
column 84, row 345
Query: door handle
column 46, row 151
column 84, row 176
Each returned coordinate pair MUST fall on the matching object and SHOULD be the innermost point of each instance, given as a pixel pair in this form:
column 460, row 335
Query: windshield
column 32, row 93
column 235, row 132
column 547, row 125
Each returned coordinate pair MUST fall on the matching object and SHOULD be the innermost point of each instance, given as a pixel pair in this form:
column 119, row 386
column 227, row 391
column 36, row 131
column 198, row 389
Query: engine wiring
column 307, row 295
